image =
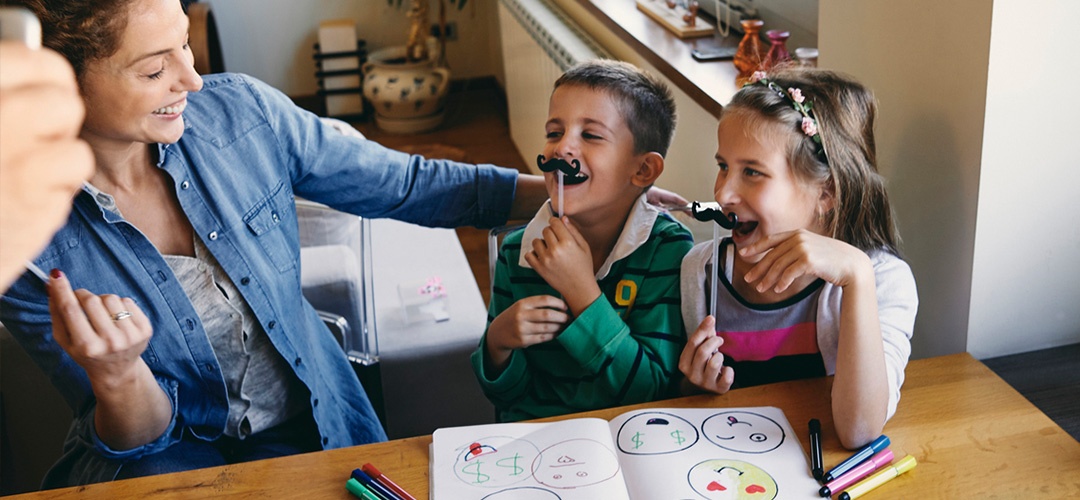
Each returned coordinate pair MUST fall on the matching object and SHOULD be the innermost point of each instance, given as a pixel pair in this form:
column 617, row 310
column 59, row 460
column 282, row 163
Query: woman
column 190, row 218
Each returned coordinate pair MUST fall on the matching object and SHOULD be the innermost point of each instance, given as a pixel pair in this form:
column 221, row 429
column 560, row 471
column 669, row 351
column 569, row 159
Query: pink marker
column 862, row 470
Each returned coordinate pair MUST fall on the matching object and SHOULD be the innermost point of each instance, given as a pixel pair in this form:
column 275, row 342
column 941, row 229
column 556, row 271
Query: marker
column 359, row 491
column 883, row 476
column 374, row 485
column 879, row 444
column 385, row 481
column 817, row 465
column 862, row 470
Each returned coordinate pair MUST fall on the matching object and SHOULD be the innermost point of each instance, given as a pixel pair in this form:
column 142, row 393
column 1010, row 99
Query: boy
column 585, row 309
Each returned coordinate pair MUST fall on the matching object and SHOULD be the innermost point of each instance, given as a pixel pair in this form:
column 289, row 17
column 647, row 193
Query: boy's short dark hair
column 645, row 102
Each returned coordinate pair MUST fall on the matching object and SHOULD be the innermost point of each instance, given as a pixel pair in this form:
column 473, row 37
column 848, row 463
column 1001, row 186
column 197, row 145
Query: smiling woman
column 189, row 225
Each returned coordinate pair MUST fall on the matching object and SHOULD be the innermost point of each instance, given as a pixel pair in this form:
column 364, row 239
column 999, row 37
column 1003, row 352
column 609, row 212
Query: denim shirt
column 245, row 153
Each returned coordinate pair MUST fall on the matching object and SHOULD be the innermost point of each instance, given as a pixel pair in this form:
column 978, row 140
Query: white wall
column 974, row 110
column 1026, row 272
column 926, row 62
column 272, row 39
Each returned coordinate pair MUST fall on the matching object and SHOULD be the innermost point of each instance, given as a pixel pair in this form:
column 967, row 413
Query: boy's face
column 586, row 125
column 756, row 182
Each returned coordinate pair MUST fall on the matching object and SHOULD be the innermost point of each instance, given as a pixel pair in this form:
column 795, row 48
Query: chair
column 335, row 277
column 495, row 236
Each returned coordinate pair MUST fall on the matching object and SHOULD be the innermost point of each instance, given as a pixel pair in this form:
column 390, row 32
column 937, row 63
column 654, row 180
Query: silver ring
column 121, row 315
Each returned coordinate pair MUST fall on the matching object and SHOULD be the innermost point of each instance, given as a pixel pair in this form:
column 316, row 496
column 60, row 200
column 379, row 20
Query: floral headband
column 804, row 107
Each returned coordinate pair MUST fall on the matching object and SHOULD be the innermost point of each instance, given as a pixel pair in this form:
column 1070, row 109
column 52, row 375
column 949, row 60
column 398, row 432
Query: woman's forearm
column 132, row 409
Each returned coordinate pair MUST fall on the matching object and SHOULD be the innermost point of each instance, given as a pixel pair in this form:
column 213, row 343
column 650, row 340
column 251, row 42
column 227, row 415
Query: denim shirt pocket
column 265, row 221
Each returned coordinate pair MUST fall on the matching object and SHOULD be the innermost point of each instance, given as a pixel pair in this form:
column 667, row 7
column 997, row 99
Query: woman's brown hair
column 80, row 30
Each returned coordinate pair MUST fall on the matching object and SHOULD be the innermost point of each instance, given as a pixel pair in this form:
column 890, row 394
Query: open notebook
column 653, row 454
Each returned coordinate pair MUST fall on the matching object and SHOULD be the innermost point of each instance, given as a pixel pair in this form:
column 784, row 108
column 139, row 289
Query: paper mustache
column 571, row 170
column 703, row 213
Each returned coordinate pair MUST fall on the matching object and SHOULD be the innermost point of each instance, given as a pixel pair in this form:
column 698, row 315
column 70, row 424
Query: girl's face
column 137, row 95
column 756, row 182
column 586, row 125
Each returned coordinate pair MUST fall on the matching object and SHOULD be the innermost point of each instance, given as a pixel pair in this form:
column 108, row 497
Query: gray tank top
column 263, row 390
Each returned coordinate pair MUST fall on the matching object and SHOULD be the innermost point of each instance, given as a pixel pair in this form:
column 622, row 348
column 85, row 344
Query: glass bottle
column 807, row 56
column 778, row 52
column 751, row 54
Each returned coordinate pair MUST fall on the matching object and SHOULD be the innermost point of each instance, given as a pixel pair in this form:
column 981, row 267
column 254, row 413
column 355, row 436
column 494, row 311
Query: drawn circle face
column 654, row 433
column 495, row 462
column 575, row 463
column 523, row 493
column 731, row 480
column 743, row 431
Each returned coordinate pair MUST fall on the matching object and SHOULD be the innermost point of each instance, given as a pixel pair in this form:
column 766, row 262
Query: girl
column 813, row 283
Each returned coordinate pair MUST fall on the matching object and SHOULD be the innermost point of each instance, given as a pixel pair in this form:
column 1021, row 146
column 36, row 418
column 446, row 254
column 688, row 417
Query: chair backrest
column 336, row 272
column 494, row 240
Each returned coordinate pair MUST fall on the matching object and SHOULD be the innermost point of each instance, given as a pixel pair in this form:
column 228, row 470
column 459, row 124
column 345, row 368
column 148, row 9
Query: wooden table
column 972, row 434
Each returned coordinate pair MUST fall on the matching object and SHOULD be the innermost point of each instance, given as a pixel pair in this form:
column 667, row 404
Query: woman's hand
column 662, row 197
column 83, row 324
column 563, row 258
column 530, row 321
column 106, row 335
column 42, row 160
column 703, row 363
column 786, row 257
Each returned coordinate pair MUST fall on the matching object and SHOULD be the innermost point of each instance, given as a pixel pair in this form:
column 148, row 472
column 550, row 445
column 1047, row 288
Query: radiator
column 539, row 43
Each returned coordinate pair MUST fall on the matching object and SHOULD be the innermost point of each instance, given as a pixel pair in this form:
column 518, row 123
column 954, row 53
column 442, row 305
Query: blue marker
column 373, row 485
column 868, row 451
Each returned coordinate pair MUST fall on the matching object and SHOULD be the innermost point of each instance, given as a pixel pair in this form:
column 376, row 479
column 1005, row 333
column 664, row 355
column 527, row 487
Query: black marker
column 817, row 465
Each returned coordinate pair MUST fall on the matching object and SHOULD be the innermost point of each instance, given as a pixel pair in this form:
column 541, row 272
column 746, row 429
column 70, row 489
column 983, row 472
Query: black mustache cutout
column 728, row 221
column 572, row 169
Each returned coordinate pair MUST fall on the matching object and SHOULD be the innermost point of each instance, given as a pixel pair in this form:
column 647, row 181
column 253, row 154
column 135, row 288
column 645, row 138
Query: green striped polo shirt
column 623, row 349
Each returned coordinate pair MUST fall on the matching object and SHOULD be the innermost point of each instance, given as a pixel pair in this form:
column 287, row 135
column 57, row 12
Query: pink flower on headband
column 796, row 95
column 757, row 76
column 809, row 127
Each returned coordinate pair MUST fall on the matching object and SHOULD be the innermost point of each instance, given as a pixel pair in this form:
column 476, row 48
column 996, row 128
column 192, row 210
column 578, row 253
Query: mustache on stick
column 703, row 213
column 572, row 169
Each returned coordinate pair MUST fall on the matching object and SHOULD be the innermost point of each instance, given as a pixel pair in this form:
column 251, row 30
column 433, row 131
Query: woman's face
column 138, row 94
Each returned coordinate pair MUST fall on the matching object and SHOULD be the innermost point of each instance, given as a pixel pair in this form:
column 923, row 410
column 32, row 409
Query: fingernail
column 56, row 274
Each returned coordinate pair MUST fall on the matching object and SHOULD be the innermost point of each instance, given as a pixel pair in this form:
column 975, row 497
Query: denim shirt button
column 245, row 280
column 212, row 235
column 209, row 367
column 315, row 404
column 274, row 216
column 325, row 440
column 272, row 324
column 297, row 362
column 185, row 185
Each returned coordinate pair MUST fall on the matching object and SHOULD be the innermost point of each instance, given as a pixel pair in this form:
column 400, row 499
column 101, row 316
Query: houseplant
column 407, row 85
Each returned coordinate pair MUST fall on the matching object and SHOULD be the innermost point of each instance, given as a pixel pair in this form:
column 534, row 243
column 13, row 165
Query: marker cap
column 905, row 464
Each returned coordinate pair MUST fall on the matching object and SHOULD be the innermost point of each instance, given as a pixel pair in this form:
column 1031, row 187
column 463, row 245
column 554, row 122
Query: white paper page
column 567, row 460
column 712, row 453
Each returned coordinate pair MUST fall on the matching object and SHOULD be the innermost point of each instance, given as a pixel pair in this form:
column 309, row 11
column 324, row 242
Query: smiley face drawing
column 495, row 461
column 731, row 480
column 575, row 463
column 654, row 433
column 743, row 431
